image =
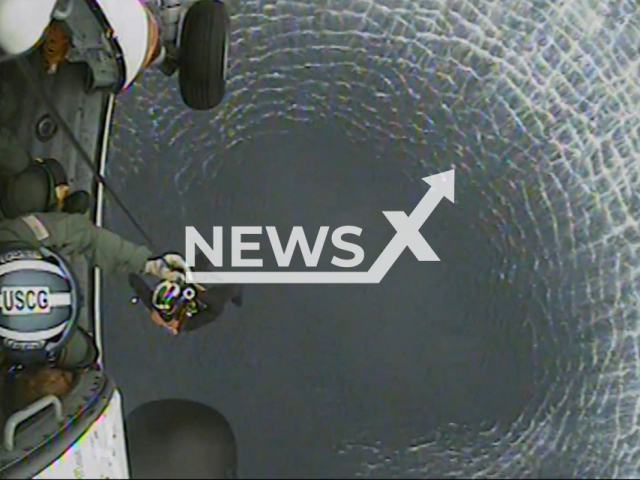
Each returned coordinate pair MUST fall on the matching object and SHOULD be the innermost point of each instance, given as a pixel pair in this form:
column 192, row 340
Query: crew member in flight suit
column 74, row 234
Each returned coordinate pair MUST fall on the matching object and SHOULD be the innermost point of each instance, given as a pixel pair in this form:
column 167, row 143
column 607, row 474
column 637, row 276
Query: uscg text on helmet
column 20, row 255
column 23, row 345
column 25, row 300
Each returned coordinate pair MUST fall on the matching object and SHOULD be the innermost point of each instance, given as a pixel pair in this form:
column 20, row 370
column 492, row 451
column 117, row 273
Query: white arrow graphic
column 407, row 236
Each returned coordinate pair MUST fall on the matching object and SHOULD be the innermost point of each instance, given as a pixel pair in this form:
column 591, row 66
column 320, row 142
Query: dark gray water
column 516, row 355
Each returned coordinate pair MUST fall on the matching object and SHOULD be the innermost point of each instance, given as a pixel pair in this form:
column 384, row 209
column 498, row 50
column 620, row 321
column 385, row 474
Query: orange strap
column 56, row 45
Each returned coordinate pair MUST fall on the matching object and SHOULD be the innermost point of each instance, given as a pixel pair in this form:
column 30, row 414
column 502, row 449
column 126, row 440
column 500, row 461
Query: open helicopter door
column 66, row 115
column 82, row 434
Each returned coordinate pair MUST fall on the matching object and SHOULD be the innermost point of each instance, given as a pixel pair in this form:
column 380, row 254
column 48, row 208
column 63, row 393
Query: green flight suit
column 74, row 234
column 71, row 235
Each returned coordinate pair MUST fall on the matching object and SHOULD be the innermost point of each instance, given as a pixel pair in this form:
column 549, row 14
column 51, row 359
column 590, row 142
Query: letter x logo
column 408, row 232
column 408, row 227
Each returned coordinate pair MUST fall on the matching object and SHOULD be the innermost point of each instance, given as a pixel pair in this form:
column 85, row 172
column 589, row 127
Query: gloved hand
column 169, row 266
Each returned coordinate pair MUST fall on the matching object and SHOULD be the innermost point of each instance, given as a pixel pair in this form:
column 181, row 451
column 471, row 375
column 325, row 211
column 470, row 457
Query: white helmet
column 39, row 304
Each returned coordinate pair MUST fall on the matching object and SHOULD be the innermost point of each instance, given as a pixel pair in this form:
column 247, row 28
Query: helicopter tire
column 202, row 58
column 177, row 438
